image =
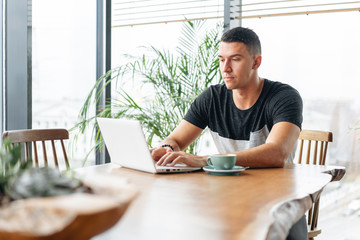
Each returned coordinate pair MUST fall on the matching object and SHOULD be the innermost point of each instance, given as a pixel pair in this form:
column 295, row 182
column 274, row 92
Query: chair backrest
column 313, row 138
column 319, row 153
column 28, row 136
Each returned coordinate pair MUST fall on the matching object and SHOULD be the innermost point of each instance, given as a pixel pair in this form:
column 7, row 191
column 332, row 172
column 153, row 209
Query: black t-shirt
column 233, row 129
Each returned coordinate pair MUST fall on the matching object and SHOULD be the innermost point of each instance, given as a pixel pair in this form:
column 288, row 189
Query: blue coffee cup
column 222, row 161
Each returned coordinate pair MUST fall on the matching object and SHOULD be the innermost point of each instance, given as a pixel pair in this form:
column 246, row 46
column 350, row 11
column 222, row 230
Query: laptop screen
column 126, row 143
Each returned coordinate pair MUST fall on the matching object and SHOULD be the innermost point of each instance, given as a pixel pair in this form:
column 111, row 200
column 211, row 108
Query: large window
column 319, row 55
column 156, row 23
column 63, row 66
column 133, row 32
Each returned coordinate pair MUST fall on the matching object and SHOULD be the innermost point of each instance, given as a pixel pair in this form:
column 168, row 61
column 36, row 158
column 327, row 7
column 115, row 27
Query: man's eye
column 236, row 59
column 221, row 60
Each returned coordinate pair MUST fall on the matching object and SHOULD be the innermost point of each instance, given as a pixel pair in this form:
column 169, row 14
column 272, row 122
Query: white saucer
column 231, row 172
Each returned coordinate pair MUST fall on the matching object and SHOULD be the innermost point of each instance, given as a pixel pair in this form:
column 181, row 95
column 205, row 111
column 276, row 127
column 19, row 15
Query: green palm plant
column 175, row 79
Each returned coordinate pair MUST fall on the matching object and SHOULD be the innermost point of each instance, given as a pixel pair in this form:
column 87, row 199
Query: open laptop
column 125, row 141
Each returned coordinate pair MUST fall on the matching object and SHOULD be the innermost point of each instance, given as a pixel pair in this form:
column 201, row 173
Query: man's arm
column 275, row 151
column 179, row 139
column 183, row 135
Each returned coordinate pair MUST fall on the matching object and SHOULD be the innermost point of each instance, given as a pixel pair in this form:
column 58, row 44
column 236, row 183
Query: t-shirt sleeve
column 198, row 113
column 287, row 106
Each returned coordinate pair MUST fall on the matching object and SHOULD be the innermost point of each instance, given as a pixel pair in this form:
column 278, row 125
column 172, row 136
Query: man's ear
column 257, row 62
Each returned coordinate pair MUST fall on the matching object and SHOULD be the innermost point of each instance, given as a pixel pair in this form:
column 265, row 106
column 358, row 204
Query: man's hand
column 173, row 158
column 179, row 139
column 158, row 152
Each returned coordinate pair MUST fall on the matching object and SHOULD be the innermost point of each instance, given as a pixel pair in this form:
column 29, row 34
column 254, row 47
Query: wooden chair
column 28, row 136
column 316, row 156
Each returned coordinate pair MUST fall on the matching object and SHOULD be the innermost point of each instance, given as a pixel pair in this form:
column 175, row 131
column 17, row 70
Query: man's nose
column 226, row 66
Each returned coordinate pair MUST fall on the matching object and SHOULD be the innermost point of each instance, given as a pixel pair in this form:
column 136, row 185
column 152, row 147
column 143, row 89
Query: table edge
column 287, row 213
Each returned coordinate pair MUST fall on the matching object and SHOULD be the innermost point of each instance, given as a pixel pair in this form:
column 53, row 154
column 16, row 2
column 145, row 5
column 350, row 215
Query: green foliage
column 42, row 182
column 18, row 179
column 10, row 164
column 176, row 79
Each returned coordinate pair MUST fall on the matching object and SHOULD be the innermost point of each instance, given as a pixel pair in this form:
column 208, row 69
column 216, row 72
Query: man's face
column 237, row 66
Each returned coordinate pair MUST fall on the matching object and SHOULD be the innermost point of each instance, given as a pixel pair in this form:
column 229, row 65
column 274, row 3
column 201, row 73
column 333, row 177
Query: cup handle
column 208, row 161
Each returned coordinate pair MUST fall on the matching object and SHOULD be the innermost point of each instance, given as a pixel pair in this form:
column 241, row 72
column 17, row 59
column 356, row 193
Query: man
column 257, row 119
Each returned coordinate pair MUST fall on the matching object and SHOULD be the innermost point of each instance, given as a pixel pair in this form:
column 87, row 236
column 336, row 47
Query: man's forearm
column 169, row 141
column 276, row 149
column 265, row 155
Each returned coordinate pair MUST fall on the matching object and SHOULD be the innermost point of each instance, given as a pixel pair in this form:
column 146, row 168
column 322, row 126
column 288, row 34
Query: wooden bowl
column 74, row 216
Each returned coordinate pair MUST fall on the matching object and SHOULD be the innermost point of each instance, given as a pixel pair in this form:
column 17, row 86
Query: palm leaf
column 176, row 78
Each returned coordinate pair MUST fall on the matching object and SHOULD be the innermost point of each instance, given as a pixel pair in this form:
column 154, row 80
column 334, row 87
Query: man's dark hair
column 246, row 36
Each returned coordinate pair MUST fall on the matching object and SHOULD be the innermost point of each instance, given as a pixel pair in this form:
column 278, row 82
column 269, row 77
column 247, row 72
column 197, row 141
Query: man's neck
column 245, row 98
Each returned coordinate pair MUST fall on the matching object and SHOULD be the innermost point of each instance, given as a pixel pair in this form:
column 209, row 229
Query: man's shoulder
column 218, row 87
column 275, row 87
column 215, row 90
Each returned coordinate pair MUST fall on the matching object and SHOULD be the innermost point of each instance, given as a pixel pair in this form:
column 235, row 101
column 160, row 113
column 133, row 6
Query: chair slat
column 324, row 157
column 21, row 155
column 44, row 152
column 321, row 158
column 301, row 150
column 27, row 151
column 36, row 154
column 308, row 153
column 65, row 155
column 315, row 152
column 54, row 153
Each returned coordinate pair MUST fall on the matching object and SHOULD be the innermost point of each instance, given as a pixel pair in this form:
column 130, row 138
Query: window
column 63, row 66
column 157, row 23
column 319, row 56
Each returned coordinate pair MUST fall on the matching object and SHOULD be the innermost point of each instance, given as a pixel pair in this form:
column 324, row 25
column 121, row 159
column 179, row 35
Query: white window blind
column 141, row 12
column 273, row 8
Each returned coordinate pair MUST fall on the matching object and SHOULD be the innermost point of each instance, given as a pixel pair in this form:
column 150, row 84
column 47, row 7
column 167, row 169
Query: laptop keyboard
column 168, row 166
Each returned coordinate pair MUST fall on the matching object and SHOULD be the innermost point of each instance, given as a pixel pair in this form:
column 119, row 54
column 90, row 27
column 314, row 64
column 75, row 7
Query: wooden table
column 257, row 204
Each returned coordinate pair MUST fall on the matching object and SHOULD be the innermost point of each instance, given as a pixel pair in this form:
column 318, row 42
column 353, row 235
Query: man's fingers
column 157, row 153
column 173, row 158
column 168, row 158
column 161, row 159
column 175, row 161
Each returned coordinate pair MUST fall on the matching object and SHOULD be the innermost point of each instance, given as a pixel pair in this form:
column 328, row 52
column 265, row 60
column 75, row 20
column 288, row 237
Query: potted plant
column 19, row 180
column 44, row 203
column 175, row 79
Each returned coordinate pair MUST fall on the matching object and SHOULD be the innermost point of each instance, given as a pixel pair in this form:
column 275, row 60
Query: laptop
column 125, row 141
